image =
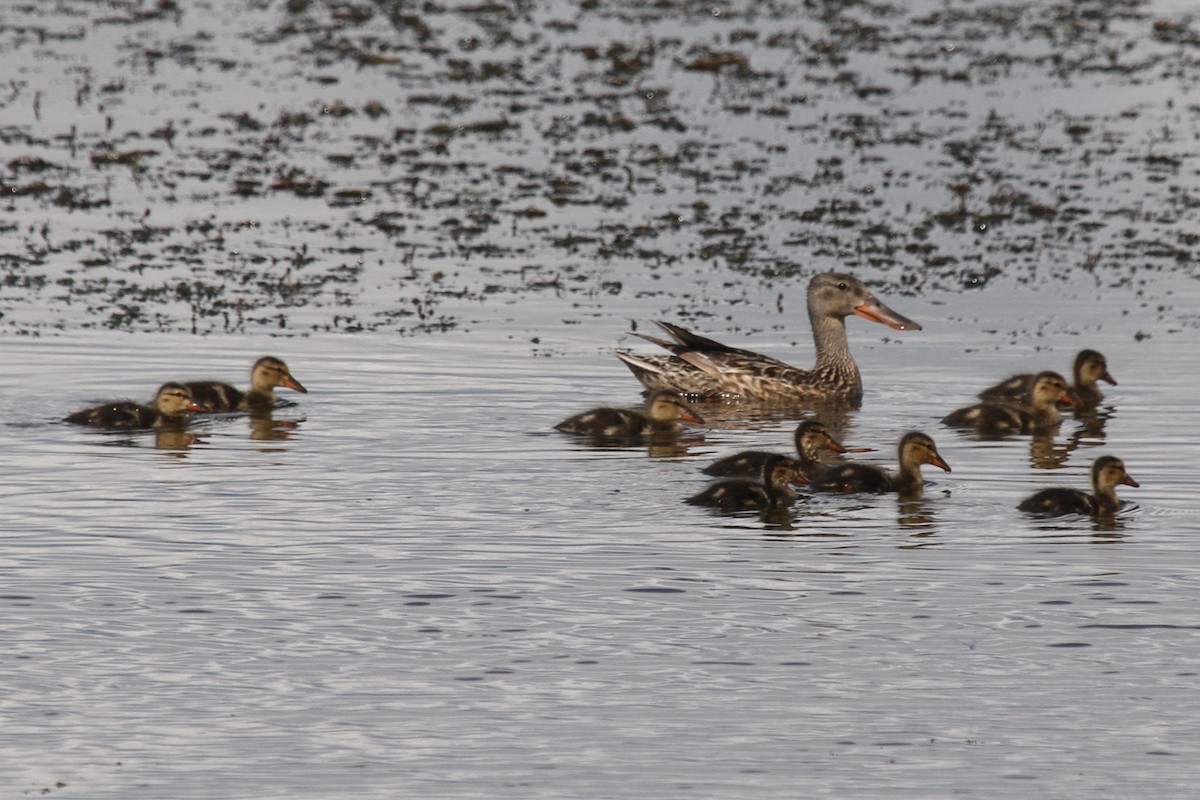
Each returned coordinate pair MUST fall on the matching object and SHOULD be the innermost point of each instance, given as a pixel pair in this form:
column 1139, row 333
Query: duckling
column 772, row 492
column 811, row 437
column 170, row 408
column 266, row 374
column 1090, row 366
column 664, row 413
column 915, row 449
column 1037, row 414
column 1108, row 472
column 701, row 366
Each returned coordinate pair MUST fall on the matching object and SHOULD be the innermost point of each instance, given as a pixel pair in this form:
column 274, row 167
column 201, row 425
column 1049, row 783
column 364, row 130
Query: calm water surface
column 408, row 585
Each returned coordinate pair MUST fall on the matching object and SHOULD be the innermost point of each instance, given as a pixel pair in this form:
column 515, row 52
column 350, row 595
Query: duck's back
column 1058, row 501
column 850, row 478
column 996, row 418
column 746, row 464
column 735, row 495
column 123, row 414
column 217, row 397
column 605, row 422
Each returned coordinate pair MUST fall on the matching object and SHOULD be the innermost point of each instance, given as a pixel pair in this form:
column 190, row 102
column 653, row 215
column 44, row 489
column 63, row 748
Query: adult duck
column 915, row 449
column 700, row 366
column 772, row 492
column 811, row 438
column 170, row 408
column 1036, row 414
column 1089, row 369
column 664, row 413
column 267, row 374
column 1108, row 472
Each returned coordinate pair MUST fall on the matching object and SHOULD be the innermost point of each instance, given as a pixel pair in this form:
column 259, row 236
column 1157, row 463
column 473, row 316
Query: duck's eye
column 842, row 285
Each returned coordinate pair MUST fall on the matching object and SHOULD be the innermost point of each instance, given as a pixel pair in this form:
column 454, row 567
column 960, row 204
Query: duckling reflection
column 919, row 516
column 1037, row 413
column 1108, row 472
column 265, row 428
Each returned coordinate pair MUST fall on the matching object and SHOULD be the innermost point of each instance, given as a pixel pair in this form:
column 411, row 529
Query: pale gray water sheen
column 445, row 217
column 421, row 590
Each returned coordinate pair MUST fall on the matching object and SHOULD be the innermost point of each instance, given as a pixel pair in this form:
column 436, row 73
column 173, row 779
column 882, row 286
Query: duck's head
column 667, row 406
column 836, row 294
column 1050, row 387
column 269, row 372
column 1092, row 366
column 174, row 399
column 811, row 436
column 1108, row 472
column 918, row 448
column 781, row 470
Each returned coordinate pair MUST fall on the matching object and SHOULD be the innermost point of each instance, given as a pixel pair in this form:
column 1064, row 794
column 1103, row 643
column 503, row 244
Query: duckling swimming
column 701, row 366
column 664, row 413
column 170, row 408
column 1037, row 414
column 811, row 437
column 772, row 492
column 266, row 374
column 1108, row 472
column 915, row 449
column 1090, row 367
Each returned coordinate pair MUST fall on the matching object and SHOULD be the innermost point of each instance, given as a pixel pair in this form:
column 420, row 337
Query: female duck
column 701, row 366
column 1090, row 367
column 773, row 492
column 1108, row 473
column 1037, row 414
column 170, row 408
column 915, row 449
column 664, row 413
column 811, row 438
column 266, row 374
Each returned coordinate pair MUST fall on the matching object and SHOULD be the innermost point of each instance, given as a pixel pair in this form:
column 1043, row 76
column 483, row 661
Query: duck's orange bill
column 1069, row 397
column 291, row 383
column 800, row 479
column 940, row 463
column 1130, row 481
column 878, row 312
column 835, row 445
column 197, row 407
column 691, row 416
column 1107, row 376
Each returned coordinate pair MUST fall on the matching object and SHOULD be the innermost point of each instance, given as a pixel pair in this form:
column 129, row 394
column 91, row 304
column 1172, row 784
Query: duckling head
column 1050, row 387
column 1108, row 472
column 812, row 436
column 919, row 448
column 269, row 372
column 1092, row 366
column 665, row 406
column 173, row 399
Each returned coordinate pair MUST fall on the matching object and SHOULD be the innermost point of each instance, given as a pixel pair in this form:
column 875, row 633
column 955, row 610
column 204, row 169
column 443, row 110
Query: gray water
column 445, row 218
column 419, row 589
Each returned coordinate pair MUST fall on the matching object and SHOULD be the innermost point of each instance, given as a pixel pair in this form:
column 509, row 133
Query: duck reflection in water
column 265, row 428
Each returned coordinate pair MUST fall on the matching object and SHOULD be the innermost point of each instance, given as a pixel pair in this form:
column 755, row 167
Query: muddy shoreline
column 296, row 167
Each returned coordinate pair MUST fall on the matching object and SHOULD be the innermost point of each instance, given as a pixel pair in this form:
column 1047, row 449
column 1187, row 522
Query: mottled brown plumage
column 811, row 438
column 1036, row 414
column 701, row 366
column 1108, row 473
column 266, row 374
column 664, row 413
column 1089, row 368
column 771, row 492
column 169, row 408
column 914, row 450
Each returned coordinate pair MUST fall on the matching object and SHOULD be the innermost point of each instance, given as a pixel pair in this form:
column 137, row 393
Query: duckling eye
column 842, row 285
